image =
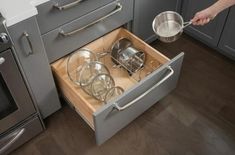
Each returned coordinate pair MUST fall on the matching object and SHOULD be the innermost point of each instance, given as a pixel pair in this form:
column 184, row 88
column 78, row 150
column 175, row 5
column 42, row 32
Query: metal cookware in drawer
column 79, row 32
column 58, row 12
column 11, row 140
column 139, row 95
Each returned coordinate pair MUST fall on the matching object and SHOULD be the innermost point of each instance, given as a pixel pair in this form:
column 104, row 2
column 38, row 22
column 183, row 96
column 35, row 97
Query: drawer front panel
column 115, row 115
column 81, row 31
column 58, row 12
column 21, row 135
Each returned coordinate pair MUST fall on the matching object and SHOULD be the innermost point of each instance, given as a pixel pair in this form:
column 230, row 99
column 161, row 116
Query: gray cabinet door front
column 32, row 57
column 50, row 16
column 227, row 41
column 86, row 28
column 118, row 113
column 209, row 33
column 144, row 13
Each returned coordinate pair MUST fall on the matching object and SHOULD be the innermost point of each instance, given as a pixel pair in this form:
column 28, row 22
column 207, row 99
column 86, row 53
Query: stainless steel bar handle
column 13, row 140
column 67, row 6
column 186, row 24
column 2, row 60
column 26, row 35
column 116, row 10
column 116, row 105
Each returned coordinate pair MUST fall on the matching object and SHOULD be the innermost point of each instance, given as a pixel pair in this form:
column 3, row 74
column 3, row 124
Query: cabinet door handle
column 116, row 10
column 67, row 6
column 116, row 105
column 26, row 35
column 16, row 135
column 2, row 60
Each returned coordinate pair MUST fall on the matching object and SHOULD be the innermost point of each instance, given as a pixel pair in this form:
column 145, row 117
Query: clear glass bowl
column 75, row 62
column 100, row 85
column 88, row 72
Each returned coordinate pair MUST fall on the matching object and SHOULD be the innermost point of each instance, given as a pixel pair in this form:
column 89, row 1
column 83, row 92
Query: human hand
column 203, row 17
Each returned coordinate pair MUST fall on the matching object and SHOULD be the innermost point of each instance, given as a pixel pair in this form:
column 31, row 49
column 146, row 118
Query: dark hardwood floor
column 197, row 118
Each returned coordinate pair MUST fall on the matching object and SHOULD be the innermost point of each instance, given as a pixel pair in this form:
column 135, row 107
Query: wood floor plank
column 49, row 146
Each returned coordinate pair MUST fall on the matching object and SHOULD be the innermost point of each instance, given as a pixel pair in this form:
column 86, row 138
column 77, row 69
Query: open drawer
column 108, row 119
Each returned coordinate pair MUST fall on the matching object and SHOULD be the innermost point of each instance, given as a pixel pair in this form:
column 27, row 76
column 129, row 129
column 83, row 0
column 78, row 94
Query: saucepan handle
column 187, row 24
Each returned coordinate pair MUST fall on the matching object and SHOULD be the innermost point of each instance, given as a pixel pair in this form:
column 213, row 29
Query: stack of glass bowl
column 85, row 71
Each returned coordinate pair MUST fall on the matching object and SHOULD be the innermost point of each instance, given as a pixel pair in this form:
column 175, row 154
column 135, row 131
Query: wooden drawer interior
column 86, row 105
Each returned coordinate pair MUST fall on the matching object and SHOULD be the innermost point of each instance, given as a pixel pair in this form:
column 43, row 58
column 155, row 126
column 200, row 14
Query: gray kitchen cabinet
column 209, row 33
column 144, row 13
column 30, row 52
column 55, row 13
column 71, row 36
column 227, row 41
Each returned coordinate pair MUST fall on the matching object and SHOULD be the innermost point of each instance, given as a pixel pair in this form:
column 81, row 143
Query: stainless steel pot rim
column 168, row 12
column 115, row 51
column 177, row 23
column 118, row 40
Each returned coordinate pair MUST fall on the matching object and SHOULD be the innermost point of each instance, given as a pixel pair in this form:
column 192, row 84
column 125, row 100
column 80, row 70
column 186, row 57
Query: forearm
column 220, row 5
column 204, row 16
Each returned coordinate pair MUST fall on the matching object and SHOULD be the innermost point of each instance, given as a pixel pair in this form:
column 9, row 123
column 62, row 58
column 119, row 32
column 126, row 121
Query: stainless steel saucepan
column 169, row 25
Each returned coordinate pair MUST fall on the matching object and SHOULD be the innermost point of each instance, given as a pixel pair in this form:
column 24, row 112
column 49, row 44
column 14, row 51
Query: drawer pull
column 117, row 9
column 13, row 140
column 26, row 35
column 2, row 60
column 116, row 105
column 67, row 6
